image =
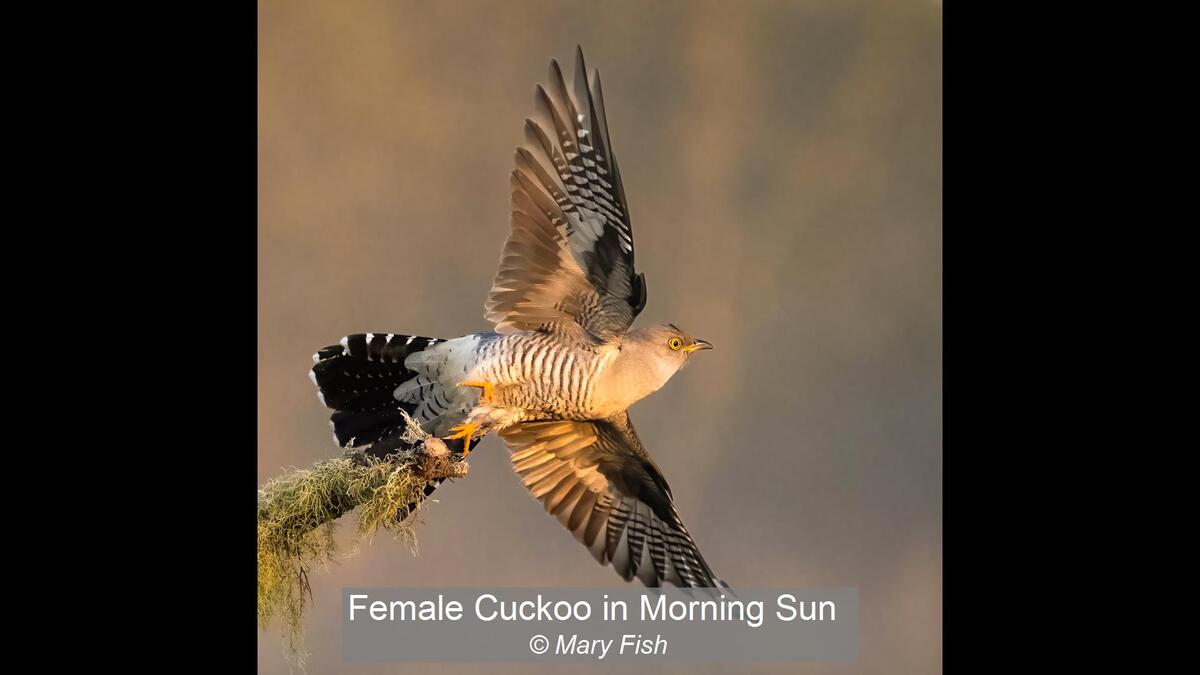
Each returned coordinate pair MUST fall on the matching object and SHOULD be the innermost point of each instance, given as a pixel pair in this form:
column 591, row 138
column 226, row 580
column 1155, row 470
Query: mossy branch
column 296, row 514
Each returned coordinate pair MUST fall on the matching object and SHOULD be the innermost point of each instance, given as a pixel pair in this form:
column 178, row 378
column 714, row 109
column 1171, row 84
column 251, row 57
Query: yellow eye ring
column 675, row 344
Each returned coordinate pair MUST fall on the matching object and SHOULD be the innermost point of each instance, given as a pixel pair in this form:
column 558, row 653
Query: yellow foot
column 485, row 386
column 463, row 431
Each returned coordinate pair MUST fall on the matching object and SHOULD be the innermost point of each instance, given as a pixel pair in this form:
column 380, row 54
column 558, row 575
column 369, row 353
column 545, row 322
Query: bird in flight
column 556, row 375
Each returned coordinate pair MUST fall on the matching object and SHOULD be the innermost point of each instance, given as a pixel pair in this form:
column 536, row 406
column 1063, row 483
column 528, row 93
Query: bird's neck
column 631, row 375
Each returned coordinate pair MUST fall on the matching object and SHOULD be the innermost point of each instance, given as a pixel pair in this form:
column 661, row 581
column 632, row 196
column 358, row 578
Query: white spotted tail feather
column 358, row 379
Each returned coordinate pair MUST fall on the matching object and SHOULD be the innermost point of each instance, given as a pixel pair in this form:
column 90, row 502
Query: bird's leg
column 467, row 429
column 484, row 397
column 463, row 431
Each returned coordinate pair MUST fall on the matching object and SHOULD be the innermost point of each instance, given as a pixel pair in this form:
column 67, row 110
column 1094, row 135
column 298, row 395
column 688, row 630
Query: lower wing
column 598, row 481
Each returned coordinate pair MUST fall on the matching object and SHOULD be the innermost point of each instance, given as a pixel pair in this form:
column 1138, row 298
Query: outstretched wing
column 598, row 481
column 568, row 261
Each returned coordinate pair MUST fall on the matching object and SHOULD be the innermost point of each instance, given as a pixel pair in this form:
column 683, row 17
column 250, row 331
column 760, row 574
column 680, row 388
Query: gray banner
column 624, row 624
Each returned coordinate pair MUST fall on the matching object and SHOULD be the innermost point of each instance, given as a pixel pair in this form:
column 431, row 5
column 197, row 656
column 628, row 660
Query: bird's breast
column 549, row 377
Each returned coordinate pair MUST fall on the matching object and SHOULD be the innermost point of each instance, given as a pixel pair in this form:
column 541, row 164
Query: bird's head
column 663, row 349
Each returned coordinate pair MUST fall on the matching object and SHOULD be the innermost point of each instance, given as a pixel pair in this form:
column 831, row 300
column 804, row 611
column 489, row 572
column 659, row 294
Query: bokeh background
column 782, row 162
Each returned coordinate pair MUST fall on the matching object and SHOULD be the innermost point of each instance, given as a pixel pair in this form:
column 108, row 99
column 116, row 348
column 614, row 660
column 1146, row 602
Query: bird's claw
column 487, row 388
column 463, row 431
column 466, row 430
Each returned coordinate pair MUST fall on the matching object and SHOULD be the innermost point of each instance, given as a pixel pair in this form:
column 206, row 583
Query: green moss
column 296, row 514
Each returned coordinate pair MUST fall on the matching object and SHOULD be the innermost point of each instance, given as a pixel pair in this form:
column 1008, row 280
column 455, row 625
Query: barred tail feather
column 358, row 378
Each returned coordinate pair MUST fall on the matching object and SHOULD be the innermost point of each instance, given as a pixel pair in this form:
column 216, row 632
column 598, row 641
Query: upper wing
column 599, row 482
column 569, row 258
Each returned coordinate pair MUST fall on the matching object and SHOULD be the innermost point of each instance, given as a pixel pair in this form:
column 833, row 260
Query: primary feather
column 568, row 263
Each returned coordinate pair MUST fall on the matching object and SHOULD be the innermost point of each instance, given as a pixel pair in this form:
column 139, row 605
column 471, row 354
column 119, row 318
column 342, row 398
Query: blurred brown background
column 782, row 162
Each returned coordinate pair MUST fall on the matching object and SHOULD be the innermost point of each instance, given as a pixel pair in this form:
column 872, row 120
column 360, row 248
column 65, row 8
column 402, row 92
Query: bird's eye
column 675, row 344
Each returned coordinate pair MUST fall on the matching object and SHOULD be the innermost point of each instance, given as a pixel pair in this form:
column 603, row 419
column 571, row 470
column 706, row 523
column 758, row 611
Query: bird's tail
column 357, row 379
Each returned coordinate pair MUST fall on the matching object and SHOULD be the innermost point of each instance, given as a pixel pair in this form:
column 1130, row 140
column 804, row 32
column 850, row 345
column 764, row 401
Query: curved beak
column 698, row 345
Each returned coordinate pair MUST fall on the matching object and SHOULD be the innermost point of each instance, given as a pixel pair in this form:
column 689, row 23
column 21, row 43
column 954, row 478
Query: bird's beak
column 697, row 345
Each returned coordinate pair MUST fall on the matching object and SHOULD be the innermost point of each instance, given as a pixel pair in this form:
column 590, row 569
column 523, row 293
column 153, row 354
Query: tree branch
column 296, row 514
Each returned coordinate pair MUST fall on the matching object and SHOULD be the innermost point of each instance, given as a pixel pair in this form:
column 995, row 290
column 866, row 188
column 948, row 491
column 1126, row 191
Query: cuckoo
column 556, row 375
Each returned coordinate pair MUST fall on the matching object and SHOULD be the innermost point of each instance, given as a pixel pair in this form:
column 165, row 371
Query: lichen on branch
column 297, row 511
